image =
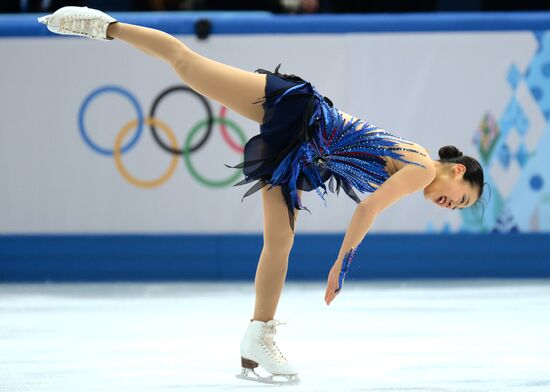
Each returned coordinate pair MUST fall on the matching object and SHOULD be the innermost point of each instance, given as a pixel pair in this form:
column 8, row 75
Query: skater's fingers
column 330, row 298
column 334, row 294
column 327, row 295
column 332, row 285
column 331, row 293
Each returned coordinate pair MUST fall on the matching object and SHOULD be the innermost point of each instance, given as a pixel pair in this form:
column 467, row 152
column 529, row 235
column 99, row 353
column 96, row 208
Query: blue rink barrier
column 25, row 25
column 61, row 258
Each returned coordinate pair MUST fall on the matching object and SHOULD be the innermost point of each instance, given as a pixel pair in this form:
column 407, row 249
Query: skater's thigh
column 234, row 88
column 278, row 236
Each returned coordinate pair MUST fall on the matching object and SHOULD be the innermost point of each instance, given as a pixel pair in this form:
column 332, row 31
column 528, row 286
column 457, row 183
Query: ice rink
column 391, row 336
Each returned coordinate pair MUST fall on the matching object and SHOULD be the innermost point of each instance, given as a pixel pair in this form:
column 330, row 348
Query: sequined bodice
column 392, row 165
column 322, row 147
column 355, row 150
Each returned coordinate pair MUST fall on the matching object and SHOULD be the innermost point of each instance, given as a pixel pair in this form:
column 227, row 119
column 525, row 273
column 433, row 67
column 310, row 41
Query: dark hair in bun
column 449, row 152
column 474, row 171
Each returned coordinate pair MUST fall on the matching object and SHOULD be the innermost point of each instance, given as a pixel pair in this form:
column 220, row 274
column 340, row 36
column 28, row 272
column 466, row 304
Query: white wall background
column 433, row 88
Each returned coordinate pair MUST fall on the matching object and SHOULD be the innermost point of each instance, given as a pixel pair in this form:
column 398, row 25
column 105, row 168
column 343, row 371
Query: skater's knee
column 279, row 243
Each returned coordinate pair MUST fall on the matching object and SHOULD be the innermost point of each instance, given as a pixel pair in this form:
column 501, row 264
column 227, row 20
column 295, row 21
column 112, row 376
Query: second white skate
column 81, row 21
column 259, row 349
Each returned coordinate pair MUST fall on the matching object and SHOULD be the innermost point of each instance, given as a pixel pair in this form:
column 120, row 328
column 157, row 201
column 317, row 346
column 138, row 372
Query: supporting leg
column 272, row 267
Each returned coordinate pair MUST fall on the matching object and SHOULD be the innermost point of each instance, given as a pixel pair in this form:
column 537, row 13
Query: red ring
column 239, row 149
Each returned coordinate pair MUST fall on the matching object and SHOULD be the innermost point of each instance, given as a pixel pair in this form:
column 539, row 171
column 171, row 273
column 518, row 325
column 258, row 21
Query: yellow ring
column 118, row 159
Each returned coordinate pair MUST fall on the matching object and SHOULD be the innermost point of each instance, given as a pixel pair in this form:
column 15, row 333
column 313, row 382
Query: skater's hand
column 337, row 275
column 332, row 282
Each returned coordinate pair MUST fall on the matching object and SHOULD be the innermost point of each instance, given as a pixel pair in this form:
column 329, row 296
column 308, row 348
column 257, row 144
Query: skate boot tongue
column 269, row 335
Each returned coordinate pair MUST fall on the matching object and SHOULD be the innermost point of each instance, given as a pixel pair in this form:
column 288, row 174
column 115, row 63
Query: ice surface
column 393, row 336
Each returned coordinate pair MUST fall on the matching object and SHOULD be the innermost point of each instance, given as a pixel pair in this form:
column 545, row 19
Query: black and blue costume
column 304, row 142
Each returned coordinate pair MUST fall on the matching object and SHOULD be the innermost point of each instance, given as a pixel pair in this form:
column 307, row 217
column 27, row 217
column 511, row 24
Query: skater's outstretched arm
column 407, row 180
column 232, row 87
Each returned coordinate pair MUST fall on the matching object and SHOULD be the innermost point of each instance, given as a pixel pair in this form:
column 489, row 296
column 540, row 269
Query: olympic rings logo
column 189, row 146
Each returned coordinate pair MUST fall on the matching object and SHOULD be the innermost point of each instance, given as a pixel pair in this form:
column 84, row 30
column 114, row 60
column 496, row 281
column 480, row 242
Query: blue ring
column 84, row 106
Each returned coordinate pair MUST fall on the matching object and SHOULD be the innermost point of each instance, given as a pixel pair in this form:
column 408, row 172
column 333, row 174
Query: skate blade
column 274, row 379
column 44, row 19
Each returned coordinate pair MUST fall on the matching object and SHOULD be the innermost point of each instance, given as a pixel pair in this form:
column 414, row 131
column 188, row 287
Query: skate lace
column 270, row 346
column 82, row 25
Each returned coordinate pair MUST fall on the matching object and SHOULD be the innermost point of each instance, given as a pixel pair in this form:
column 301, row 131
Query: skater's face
column 449, row 190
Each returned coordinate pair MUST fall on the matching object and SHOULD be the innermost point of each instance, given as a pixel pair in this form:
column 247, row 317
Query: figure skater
column 304, row 142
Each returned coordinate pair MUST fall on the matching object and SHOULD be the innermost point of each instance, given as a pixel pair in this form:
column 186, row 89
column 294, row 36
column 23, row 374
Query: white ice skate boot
column 258, row 348
column 82, row 21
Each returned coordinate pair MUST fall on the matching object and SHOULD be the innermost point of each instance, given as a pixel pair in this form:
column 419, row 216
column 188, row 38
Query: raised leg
column 278, row 241
column 237, row 90
column 232, row 87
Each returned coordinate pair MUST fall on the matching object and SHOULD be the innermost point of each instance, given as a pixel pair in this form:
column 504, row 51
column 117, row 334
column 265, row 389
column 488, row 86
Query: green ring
column 187, row 159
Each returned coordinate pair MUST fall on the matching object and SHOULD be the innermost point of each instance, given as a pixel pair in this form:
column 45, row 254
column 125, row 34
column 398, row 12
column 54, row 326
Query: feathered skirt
column 304, row 142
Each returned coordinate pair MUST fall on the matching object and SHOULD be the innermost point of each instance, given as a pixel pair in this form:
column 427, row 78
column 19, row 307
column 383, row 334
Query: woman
column 304, row 142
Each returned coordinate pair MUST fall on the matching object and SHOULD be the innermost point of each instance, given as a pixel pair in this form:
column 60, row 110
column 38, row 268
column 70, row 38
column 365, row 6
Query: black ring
column 208, row 113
